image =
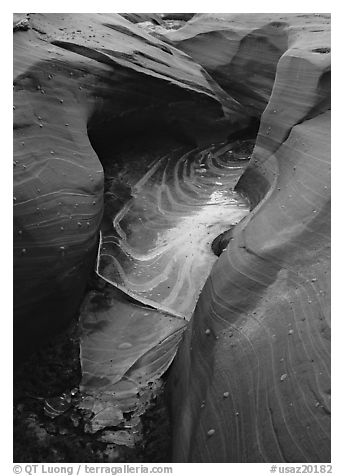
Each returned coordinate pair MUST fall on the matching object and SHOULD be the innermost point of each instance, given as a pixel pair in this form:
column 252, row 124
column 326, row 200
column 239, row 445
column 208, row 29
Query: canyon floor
column 206, row 208
column 47, row 374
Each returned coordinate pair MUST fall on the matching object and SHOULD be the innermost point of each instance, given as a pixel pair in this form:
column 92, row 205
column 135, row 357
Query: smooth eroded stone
column 271, row 317
column 81, row 83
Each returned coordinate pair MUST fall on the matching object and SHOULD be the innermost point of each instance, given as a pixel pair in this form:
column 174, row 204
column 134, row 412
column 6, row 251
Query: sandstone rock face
column 79, row 78
column 261, row 378
column 242, row 51
column 251, row 381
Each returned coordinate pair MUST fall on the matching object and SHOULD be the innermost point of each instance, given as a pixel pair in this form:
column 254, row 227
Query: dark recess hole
column 324, row 96
column 137, row 139
column 277, row 24
column 322, row 50
column 249, row 132
column 220, row 243
column 177, row 16
column 112, row 138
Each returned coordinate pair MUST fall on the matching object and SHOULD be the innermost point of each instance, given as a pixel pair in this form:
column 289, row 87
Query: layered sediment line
column 257, row 387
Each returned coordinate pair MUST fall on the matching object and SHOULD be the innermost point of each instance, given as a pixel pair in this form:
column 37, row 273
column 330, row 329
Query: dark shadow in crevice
column 221, row 242
column 249, row 132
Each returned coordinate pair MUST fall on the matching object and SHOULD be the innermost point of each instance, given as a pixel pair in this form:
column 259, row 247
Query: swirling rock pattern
column 251, row 380
column 257, row 387
column 159, row 246
column 73, row 76
column 158, row 251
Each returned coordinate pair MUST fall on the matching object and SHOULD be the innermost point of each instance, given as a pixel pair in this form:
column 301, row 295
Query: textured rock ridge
column 76, row 78
column 242, row 51
column 261, row 377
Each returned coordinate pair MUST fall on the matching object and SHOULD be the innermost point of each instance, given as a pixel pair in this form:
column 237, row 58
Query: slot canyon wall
column 83, row 80
column 256, row 388
column 251, row 379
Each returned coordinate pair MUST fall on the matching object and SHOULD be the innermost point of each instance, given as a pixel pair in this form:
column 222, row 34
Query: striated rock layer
column 251, row 380
column 84, row 81
column 242, row 52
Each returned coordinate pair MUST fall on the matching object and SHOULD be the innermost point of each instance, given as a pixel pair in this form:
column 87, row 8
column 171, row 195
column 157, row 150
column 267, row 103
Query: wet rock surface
column 155, row 255
column 157, row 247
column 98, row 95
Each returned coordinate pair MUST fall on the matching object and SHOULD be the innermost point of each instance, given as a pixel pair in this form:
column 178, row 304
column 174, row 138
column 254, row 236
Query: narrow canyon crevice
column 165, row 203
column 200, row 153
